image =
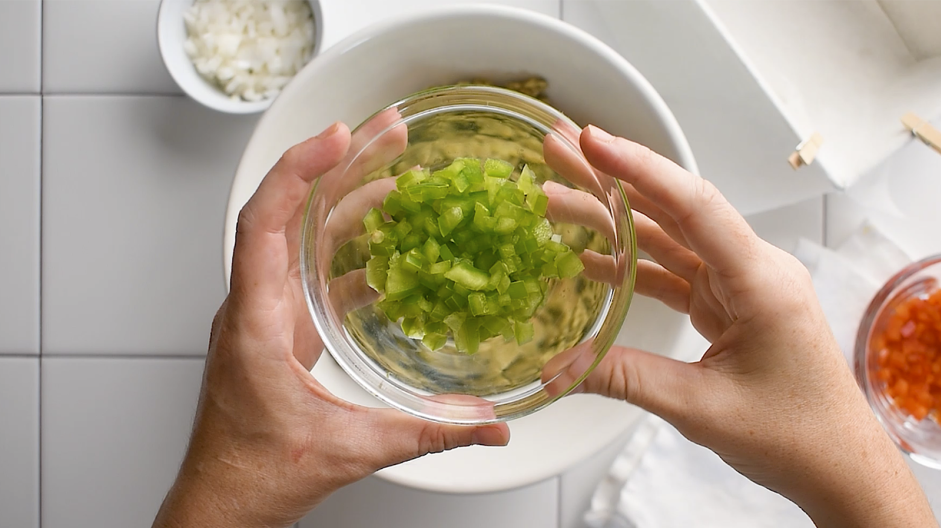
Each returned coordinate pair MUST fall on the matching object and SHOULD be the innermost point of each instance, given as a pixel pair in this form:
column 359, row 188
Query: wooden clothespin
column 805, row 153
column 923, row 130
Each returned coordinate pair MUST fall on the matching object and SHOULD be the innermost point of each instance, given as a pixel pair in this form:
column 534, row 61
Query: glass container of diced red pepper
column 898, row 359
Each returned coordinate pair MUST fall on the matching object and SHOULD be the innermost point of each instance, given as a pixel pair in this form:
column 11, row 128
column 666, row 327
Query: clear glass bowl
column 920, row 439
column 573, row 329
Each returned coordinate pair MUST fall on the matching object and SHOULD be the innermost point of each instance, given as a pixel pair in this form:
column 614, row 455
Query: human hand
column 269, row 442
column 773, row 395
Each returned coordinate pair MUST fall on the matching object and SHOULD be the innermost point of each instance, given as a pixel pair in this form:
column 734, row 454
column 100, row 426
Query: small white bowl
column 171, row 34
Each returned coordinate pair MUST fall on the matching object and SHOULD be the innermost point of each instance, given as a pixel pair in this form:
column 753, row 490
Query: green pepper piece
column 468, row 338
column 569, row 265
column 517, row 290
column 538, row 202
column 439, row 268
column 412, row 327
column 550, row 270
column 434, row 341
column 481, row 213
column 411, row 241
column 392, row 203
column 485, row 259
column 373, row 220
column 449, row 219
column 409, row 178
column 455, row 321
column 392, row 309
column 557, row 247
column 527, row 180
column 505, row 225
column 478, row 303
column 523, row 331
column 498, row 168
column 451, row 170
column 381, row 245
column 466, row 275
column 400, row 284
column 377, row 269
column 413, row 261
column 431, row 250
column 473, row 170
column 542, row 232
column 510, row 194
column 440, row 311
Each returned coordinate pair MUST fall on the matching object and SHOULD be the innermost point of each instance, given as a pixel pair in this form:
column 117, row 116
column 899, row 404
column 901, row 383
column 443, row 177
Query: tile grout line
column 42, row 15
column 112, row 94
column 67, row 355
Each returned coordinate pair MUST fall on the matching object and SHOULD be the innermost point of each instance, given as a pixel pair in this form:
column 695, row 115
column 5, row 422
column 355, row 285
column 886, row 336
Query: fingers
column 350, row 292
column 346, row 221
column 260, row 260
column 712, row 227
column 640, row 204
column 369, row 151
column 664, row 249
column 564, row 159
column 564, row 370
column 400, row 437
column 656, row 282
column 577, row 207
column 600, row 268
column 663, row 386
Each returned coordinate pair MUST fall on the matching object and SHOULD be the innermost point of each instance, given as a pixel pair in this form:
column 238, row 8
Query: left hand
column 270, row 442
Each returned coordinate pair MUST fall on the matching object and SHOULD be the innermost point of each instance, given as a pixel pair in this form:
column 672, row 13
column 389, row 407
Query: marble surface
column 125, row 200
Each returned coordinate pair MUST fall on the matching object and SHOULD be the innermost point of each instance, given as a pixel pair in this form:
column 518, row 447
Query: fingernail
column 551, row 187
column 331, row 130
column 488, row 436
column 599, row 134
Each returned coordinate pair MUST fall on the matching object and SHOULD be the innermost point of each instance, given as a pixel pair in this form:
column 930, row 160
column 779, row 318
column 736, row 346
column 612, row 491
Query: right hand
column 773, row 395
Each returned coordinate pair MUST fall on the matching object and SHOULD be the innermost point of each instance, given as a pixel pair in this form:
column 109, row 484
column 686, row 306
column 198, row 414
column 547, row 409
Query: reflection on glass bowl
column 573, row 328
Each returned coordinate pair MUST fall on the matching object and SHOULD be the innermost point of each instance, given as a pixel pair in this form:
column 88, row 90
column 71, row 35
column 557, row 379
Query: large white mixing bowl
column 587, row 81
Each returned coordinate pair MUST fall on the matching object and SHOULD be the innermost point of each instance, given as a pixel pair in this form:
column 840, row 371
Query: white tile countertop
column 113, row 189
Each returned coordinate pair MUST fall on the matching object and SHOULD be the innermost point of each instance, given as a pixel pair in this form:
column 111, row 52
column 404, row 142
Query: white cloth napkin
column 662, row 480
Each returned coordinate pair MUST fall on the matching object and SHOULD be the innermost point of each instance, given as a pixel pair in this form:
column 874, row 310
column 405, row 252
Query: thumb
column 260, row 258
column 402, row 437
column 666, row 387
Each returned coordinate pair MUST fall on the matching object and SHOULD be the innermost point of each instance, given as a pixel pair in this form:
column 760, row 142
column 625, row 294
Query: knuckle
column 431, row 440
column 245, row 220
column 620, row 379
column 708, row 199
column 644, row 156
column 435, row 439
column 631, row 382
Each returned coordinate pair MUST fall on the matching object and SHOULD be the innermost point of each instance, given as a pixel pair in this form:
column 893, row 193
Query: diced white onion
column 250, row 49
